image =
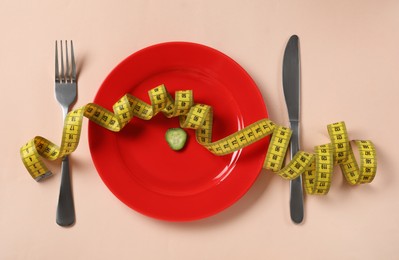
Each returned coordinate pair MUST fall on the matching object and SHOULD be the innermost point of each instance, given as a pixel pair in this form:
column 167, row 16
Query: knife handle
column 296, row 189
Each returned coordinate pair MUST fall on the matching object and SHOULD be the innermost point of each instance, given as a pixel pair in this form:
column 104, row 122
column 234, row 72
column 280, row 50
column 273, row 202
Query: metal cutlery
column 291, row 86
column 65, row 92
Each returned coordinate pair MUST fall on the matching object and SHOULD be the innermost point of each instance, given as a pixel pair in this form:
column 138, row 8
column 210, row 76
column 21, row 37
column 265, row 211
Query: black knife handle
column 296, row 188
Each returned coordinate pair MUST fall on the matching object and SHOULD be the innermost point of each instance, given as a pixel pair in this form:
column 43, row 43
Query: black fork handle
column 66, row 208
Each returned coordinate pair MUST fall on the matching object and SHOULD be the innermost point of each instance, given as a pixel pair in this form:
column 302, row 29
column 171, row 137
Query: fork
column 65, row 93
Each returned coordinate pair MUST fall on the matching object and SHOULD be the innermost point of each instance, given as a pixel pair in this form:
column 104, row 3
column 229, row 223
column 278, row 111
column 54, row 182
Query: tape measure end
column 43, row 176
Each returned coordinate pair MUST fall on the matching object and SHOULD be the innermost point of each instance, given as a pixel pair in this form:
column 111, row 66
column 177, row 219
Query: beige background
column 350, row 63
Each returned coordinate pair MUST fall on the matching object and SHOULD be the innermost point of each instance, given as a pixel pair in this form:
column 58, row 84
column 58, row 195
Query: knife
column 291, row 86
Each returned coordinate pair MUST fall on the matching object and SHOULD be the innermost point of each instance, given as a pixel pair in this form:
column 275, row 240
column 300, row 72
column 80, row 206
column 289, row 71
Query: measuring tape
column 317, row 167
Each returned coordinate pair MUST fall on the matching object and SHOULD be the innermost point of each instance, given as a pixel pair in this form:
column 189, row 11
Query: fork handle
column 65, row 209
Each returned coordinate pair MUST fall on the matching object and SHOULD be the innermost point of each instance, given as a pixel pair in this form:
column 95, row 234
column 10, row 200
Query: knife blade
column 291, row 87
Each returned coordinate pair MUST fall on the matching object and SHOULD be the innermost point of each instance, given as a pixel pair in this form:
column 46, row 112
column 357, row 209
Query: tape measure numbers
column 316, row 167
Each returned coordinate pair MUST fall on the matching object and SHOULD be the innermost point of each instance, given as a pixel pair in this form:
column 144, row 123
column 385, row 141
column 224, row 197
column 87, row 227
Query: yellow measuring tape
column 317, row 167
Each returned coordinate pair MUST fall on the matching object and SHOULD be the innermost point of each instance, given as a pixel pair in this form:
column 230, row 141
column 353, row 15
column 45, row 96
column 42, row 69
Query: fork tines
column 69, row 75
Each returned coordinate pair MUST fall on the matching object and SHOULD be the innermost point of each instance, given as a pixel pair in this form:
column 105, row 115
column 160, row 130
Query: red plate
column 137, row 165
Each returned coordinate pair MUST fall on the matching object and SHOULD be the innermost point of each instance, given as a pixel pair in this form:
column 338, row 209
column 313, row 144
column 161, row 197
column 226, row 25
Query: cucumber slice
column 176, row 138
